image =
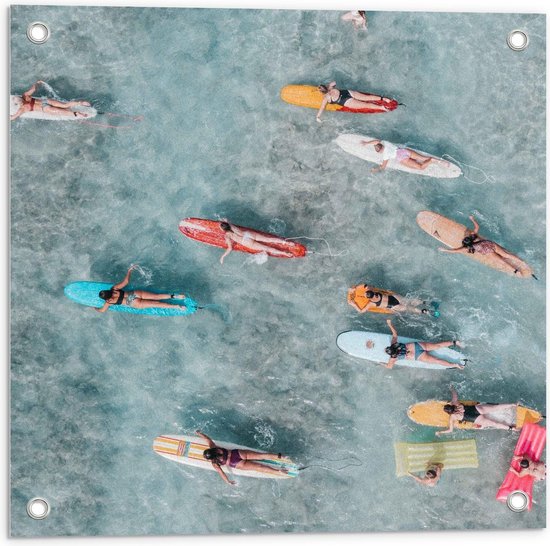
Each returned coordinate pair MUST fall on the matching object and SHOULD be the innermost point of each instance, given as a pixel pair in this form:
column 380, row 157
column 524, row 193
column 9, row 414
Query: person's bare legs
column 255, row 245
column 427, row 357
column 63, row 112
column 251, row 465
column 250, row 455
column 427, row 346
column 507, row 258
column 148, row 304
column 489, row 423
column 144, row 295
column 68, row 104
column 365, row 97
column 265, row 238
column 356, row 104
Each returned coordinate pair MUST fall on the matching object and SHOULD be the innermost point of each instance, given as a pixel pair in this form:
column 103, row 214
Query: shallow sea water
column 90, row 392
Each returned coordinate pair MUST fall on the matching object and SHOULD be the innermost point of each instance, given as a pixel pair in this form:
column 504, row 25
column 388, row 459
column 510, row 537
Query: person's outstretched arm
column 229, row 248
column 104, row 308
column 322, row 108
column 124, row 282
column 207, row 438
column 380, row 167
column 454, row 396
column 222, row 475
column 476, row 225
column 393, row 331
column 391, row 363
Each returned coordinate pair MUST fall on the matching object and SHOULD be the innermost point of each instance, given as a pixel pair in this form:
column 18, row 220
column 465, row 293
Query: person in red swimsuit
column 243, row 459
column 50, row 106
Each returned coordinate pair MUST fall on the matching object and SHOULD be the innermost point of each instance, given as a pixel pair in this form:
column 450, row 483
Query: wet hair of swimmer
column 225, row 226
column 450, row 409
column 323, row 89
column 379, row 147
column 524, row 463
column 212, row 454
column 431, row 473
column 468, row 242
column 369, row 294
column 106, row 294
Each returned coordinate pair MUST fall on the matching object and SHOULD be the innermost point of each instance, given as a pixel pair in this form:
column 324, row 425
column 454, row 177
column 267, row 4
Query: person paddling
column 242, row 459
column 140, row 299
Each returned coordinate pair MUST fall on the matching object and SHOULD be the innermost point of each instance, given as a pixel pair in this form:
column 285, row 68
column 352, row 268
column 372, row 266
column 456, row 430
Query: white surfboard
column 437, row 169
column 354, row 343
column 189, row 450
column 15, row 102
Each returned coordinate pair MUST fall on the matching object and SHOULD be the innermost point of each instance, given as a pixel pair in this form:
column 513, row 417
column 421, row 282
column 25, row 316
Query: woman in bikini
column 405, row 156
column 243, row 459
column 251, row 240
column 50, row 106
column 365, row 298
column 418, row 350
column 479, row 415
column 472, row 243
column 350, row 99
column 140, row 299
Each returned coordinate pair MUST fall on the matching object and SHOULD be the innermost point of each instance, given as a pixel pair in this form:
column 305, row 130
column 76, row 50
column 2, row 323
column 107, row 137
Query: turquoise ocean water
column 90, row 392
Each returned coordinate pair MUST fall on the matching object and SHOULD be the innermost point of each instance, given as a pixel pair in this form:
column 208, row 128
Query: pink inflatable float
column 530, row 445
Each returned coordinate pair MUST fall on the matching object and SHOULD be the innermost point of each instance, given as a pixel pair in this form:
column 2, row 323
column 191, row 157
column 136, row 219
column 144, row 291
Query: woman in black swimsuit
column 350, row 99
column 140, row 299
column 478, row 414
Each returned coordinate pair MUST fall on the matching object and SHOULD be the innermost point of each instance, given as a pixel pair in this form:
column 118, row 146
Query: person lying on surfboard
column 251, row 240
column 480, row 414
column 418, row 350
column 357, row 18
column 380, row 300
column 354, row 100
column 432, row 476
column 536, row 469
column 140, row 299
column 405, row 156
column 243, row 459
column 50, row 106
column 472, row 243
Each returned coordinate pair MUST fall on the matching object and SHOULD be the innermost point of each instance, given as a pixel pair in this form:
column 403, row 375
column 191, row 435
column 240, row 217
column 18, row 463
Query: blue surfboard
column 87, row 293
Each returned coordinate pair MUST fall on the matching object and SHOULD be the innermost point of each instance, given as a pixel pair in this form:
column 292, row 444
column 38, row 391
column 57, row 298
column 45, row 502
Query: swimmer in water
column 358, row 19
column 431, row 477
column 47, row 105
column 139, row 299
column 528, row 467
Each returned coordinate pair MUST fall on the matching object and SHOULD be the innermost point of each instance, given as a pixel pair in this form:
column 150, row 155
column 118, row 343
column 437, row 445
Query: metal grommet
column 517, row 40
column 38, row 32
column 38, row 508
column 517, row 501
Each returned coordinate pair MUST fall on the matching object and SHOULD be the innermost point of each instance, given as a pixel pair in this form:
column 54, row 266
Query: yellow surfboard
column 357, row 294
column 431, row 413
column 309, row 96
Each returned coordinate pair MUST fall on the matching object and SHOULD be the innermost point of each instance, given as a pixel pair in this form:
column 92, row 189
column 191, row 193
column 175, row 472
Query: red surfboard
column 210, row 233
